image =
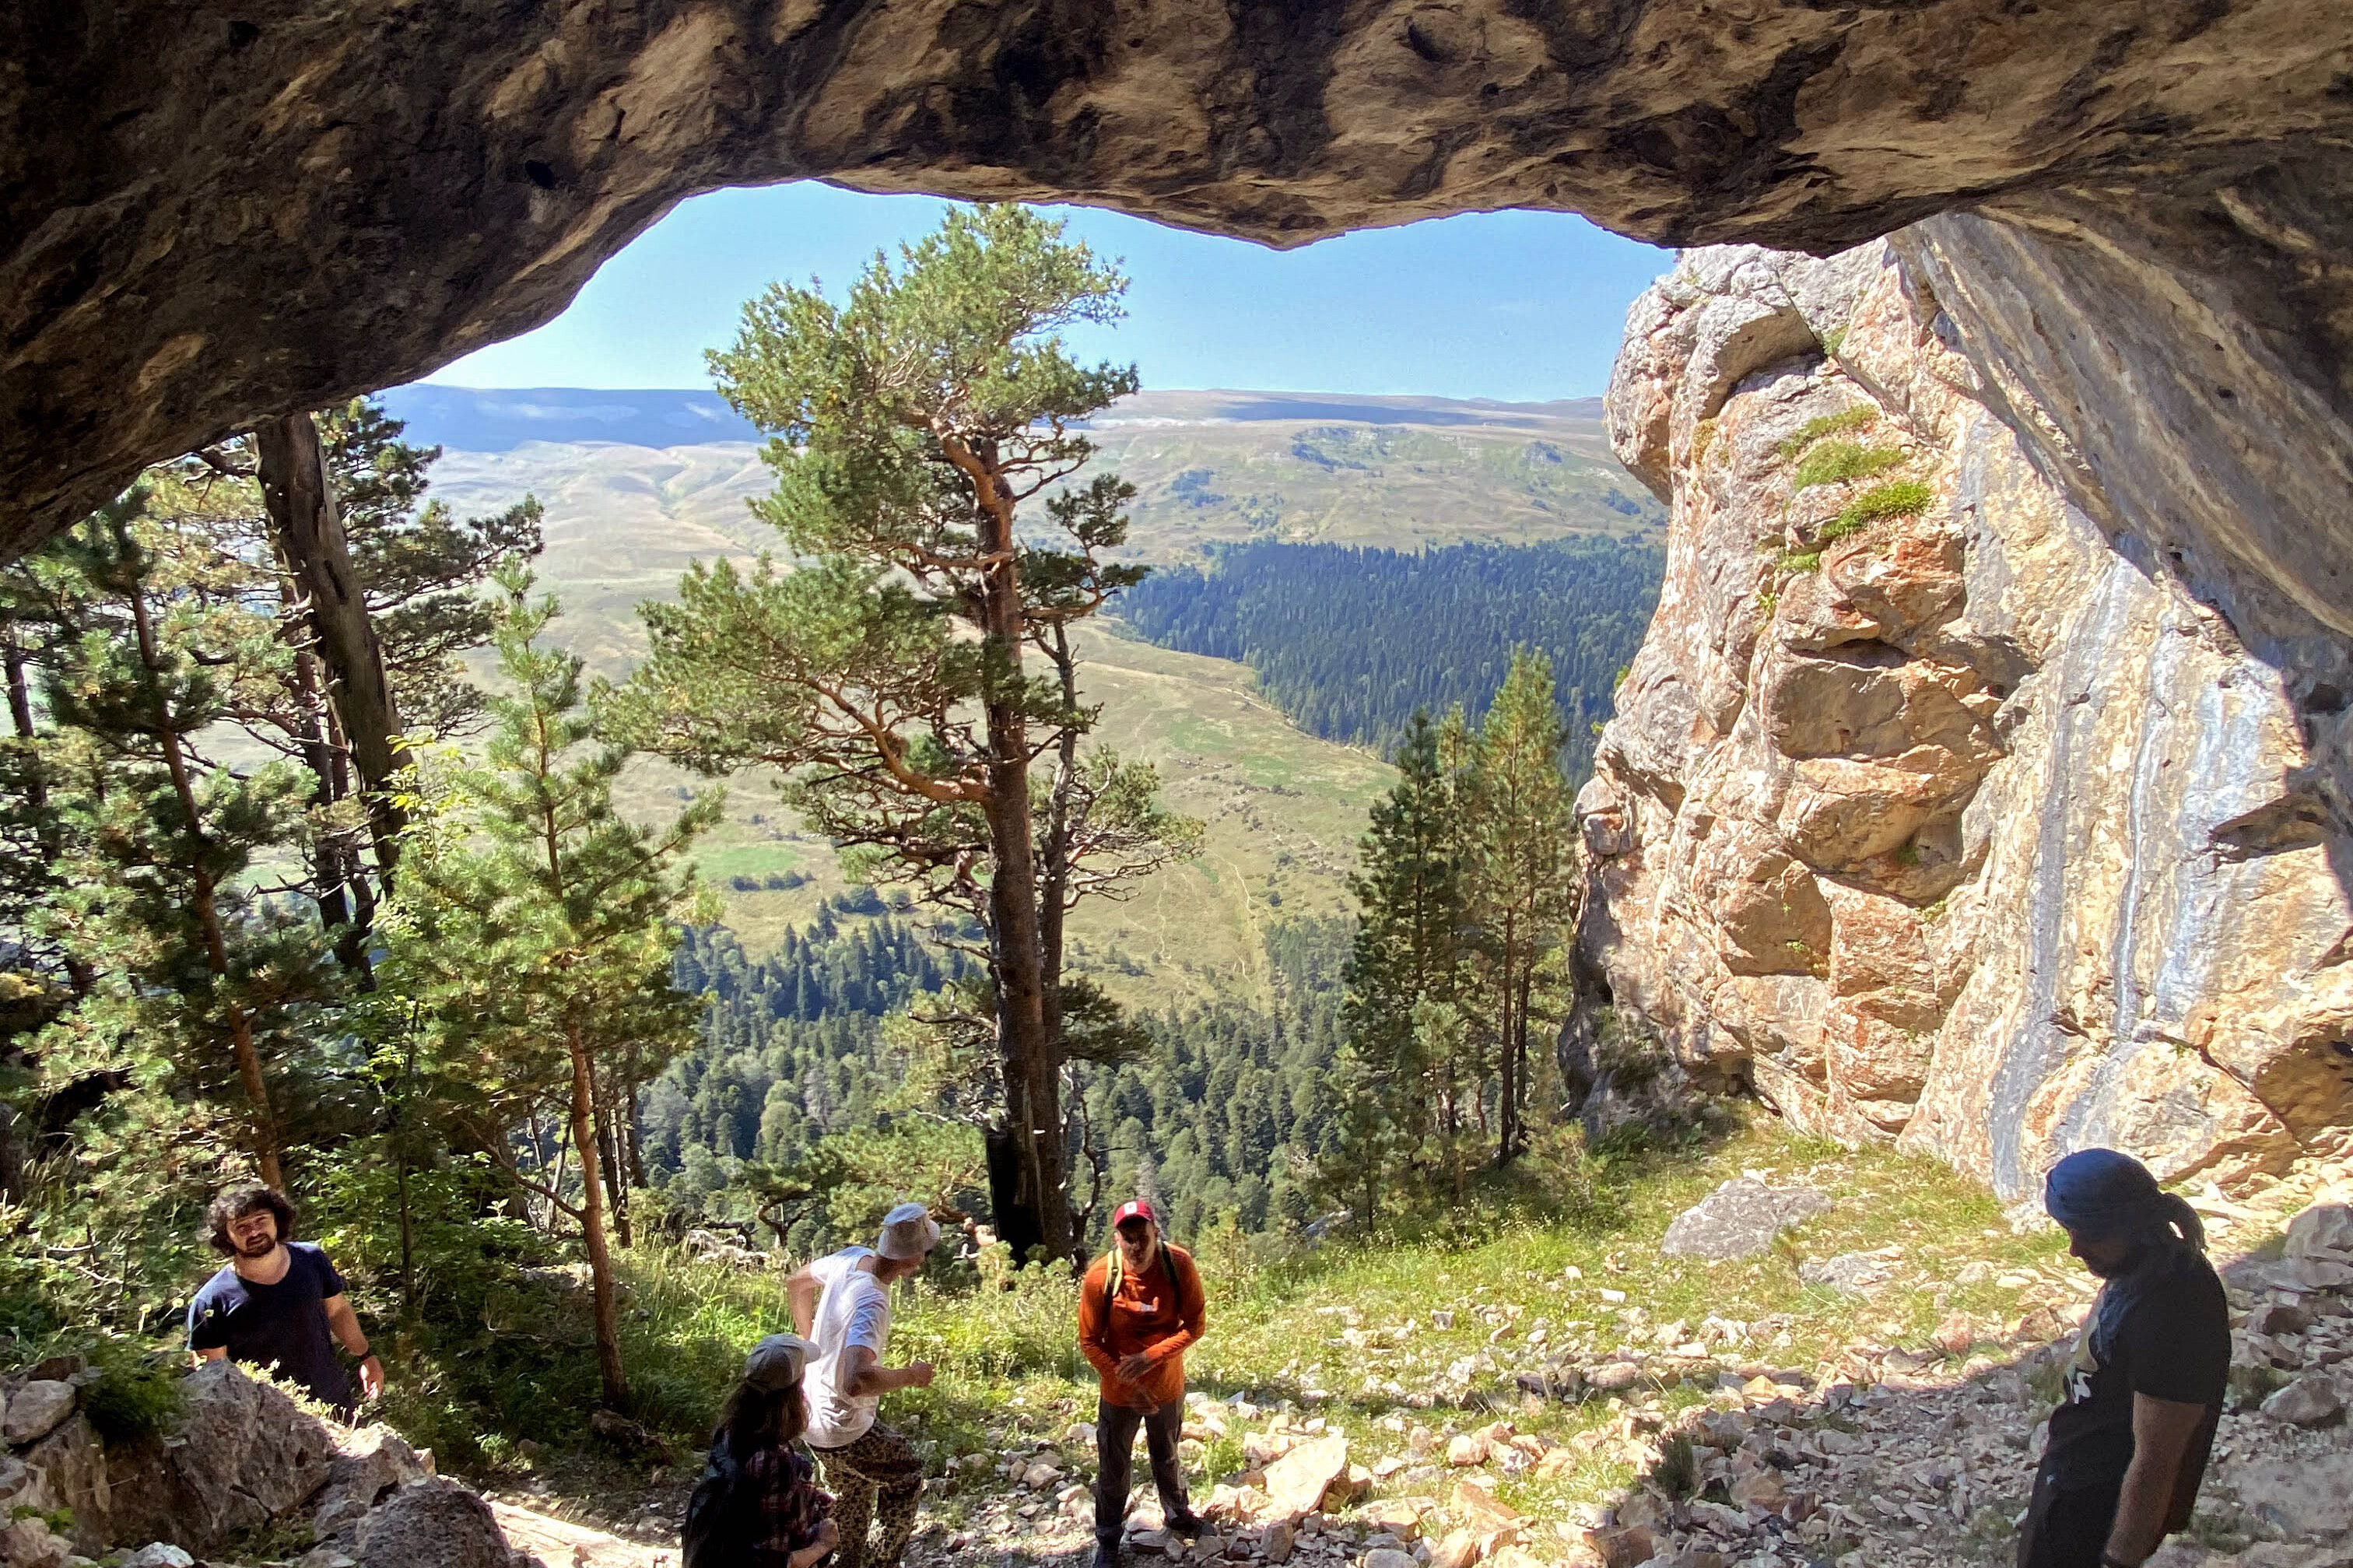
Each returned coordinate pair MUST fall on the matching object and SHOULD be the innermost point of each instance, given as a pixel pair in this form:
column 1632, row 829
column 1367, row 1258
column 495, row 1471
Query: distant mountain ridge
column 499, row 420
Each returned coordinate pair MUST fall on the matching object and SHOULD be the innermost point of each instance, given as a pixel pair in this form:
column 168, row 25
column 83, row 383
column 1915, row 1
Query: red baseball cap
column 1135, row 1209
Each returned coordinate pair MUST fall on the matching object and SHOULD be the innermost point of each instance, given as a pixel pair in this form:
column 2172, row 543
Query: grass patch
column 1837, row 463
column 1896, row 498
column 1797, row 563
column 1816, row 429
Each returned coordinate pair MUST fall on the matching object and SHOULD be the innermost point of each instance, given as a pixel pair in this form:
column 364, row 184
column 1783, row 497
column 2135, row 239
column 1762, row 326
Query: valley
column 1282, row 807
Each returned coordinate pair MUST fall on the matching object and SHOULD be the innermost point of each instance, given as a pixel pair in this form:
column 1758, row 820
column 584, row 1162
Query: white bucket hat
column 908, row 1231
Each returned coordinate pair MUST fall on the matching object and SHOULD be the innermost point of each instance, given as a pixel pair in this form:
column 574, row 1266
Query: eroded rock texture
column 214, row 213
column 1983, row 780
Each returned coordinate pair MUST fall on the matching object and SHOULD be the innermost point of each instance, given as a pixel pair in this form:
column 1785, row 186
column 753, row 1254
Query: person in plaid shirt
column 759, row 1505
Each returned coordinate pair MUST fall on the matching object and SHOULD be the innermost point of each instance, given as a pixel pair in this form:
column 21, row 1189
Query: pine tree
column 1409, row 950
column 161, row 649
column 1521, row 880
column 536, row 929
column 887, row 674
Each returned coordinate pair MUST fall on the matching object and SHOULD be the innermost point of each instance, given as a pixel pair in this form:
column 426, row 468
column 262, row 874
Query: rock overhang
column 210, row 215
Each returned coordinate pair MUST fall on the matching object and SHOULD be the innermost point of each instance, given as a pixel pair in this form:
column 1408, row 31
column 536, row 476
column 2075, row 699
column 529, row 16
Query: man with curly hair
column 279, row 1304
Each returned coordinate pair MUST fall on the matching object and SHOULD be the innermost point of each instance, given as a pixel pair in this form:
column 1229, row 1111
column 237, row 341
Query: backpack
column 1176, row 1274
column 718, row 1531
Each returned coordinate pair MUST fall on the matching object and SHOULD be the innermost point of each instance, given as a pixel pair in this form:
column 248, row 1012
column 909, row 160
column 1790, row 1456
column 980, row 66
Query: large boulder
column 38, row 1409
column 437, row 1523
column 243, row 1453
column 1740, row 1219
column 72, row 1462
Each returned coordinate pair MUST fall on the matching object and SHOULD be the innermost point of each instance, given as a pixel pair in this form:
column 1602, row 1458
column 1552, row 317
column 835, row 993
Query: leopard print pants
column 875, row 1481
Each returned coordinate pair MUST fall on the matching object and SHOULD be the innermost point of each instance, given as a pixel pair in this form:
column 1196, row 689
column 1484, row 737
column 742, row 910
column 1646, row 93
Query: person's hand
column 918, row 1374
column 828, row 1534
column 370, row 1377
column 1132, row 1368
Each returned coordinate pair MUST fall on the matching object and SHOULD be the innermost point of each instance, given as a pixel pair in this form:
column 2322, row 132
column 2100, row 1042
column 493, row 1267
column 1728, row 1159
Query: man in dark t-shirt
column 2129, row 1443
column 279, row 1304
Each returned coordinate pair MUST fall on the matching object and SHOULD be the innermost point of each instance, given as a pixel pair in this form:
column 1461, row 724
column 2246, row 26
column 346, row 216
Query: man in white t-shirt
column 843, row 1303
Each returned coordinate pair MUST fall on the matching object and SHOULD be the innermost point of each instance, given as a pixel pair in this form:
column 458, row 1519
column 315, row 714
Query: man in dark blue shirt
column 279, row 1304
column 2129, row 1445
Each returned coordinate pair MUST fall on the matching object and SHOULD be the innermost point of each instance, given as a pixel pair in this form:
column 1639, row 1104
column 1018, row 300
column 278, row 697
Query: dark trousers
column 1114, row 1455
column 2067, row 1529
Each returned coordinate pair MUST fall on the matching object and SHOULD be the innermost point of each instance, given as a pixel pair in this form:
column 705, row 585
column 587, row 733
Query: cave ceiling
column 211, row 214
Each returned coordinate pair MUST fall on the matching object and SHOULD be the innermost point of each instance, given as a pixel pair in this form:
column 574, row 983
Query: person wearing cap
column 757, row 1505
column 2128, row 1444
column 843, row 1303
column 1140, row 1307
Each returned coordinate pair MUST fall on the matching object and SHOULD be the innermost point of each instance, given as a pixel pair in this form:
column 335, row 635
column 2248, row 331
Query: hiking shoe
column 1107, row 1554
column 1184, row 1524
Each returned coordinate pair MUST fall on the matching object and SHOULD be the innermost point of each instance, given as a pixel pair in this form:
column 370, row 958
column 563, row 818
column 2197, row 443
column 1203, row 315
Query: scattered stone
column 36, row 1409
column 31, row 1543
column 1740, row 1219
column 2279, row 1317
column 1296, row 1483
column 2295, row 1497
column 161, row 1554
column 1280, row 1537
column 2309, row 1401
column 2324, row 1230
column 1614, row 1377
column 1468, row 1449
column 1380, row 1557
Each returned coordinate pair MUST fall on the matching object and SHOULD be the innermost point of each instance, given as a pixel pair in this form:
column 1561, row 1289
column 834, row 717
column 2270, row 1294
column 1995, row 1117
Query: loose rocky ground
column 1785, row 1385
column 1866, row 1392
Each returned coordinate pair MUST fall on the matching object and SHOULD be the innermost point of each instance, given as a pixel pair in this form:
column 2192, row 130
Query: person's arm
column 345, row 1324
column 867, row 1376
column 1092, row 1321
column 2161, row 1432
column 803, row 1288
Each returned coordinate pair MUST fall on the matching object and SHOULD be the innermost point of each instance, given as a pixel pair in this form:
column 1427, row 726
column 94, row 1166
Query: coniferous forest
column 1351, row 642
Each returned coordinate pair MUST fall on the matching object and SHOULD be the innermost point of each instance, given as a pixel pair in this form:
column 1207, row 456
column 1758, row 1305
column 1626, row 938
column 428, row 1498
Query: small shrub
column 137, row 1393
column 1836, row 462
column 1823, row 425
column 1797, row 563
column 1896, row 498
column 1678, row 1473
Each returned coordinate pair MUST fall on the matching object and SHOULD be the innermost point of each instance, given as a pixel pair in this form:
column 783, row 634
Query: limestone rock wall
column 1980, row 783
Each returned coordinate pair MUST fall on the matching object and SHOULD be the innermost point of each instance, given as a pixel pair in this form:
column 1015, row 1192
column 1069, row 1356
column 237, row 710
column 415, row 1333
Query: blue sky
column 1522, row 306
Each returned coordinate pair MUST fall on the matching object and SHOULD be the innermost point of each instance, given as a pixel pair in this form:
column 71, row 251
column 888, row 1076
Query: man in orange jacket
column 1139, row 1307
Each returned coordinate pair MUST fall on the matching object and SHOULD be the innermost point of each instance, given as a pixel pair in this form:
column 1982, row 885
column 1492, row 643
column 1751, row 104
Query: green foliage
column 1896, row 498
column 1349, row 643
column 1823, row 425
column 1797, row 563
column 138, row 1393
column 1836, row 462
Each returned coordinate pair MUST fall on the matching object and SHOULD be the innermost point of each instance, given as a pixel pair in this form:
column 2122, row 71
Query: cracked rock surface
column 214, row 214
column 1939, row 806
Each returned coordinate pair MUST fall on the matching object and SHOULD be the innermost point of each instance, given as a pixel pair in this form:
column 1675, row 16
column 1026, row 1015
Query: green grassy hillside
column 1283, row 809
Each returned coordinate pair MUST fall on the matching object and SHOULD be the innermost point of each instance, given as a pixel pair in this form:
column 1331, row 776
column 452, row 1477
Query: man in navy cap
column 2128, row 1444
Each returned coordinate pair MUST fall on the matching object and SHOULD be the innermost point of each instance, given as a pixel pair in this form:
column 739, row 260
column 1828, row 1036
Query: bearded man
column 278, row 1305
column 2129, row 1445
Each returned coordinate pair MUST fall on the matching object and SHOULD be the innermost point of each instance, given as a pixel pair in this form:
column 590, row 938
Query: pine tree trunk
column 1507, row 1110
column 608, row 1153
column 328, row 869
column 1027, row 1047
column 302, row 503
column 592, row 1225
